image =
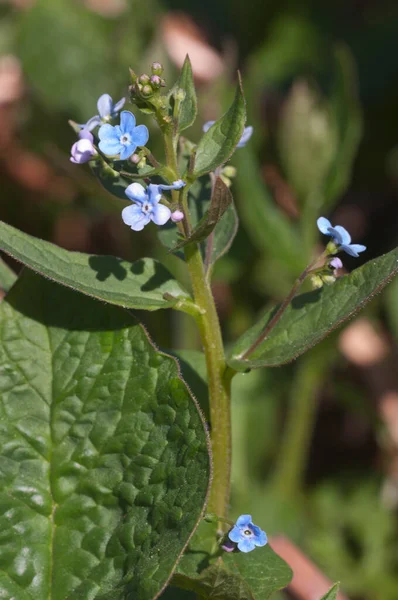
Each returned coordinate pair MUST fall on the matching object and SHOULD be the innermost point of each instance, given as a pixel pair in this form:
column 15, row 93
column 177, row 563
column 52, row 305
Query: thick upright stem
column 218, row 381
column 219, row 376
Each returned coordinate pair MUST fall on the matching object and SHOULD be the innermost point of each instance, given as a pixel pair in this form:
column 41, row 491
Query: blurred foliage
column 321, row 85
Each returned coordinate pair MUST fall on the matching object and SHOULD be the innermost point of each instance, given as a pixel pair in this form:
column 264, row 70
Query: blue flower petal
column 235, row 534
column 176, row 185
column 324, row 225
column 118, row 106
column 244, row 521
column 104, row 105
column 247, row 133
column 127, row 151
column 107, row 131
column 345, row 237
column 134, row 217
column 246, row 545
column 261, row 539
column 160, row 214
column 353, row 249
column 110, row 146
column 91, row 123
column 127, row 122
column 154, row 193
column 136, row 193
column 140, row 135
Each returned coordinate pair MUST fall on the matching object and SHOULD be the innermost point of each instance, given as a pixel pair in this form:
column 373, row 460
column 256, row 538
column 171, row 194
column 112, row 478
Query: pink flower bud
column 177, row 216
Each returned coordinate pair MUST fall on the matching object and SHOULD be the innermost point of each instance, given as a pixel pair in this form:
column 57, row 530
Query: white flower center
column 248, row 532
column 146, row 208
column 125, row 139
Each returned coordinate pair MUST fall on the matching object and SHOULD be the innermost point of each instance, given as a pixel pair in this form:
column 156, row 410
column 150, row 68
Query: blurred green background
column 316, row 441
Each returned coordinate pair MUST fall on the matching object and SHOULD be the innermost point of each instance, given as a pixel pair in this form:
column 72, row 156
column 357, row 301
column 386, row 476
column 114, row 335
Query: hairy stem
column 219, row 383
column 219, row 377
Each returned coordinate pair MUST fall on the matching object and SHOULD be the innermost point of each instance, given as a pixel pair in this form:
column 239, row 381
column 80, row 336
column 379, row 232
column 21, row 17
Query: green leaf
column 347, row 121
column 221, row 198
column 307, row 143
column 189, row 106
column 140, row 284
column 312, row 316
column 268, row 228
column 7, row 276
column 209, row 571
column 332, row 593
column 218, row 143
column 104, row 455
column 223, row 236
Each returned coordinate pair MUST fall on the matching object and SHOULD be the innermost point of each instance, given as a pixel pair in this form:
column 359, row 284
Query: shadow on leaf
column 107, row 266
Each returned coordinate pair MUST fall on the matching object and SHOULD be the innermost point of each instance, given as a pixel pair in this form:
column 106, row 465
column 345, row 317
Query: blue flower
column 106, row 109
column 83, row 150
column 340, row 236
column 246, row 135
column 247, row 535
column 122, row 139
column 146, row 205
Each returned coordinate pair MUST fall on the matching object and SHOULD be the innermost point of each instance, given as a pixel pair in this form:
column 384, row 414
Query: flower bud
column 157, row 68
column 229, row 171
column 329, row 279
column 177, row 216
column 135, row 159
column 142, row 163
column 156, row 81
column 147, row 91
column 336, row 263
column 316, row 281
column 144, row 79
column 332, row 248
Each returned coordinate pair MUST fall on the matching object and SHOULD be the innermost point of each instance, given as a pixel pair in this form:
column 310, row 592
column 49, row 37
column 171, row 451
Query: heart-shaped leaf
column 218, row 143
column 221, row 198
column 188, row 106
column 103, row 452
column 133, row 285
column 213, row 573
column 310, row 317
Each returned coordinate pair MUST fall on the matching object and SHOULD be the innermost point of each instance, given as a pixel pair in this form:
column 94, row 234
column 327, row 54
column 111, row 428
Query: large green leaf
column 104, row 458
column 213, row 573
column 310, row 317
column 392, row 306
column 133, row 285
column 188, row 107
column 332, row 593
column 218, row 143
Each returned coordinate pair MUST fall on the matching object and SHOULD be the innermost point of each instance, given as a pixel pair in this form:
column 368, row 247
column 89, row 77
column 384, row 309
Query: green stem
column 219, row 378
column 219, row 385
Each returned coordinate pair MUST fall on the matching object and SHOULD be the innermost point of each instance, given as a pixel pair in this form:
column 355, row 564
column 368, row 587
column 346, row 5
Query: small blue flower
column 122, row 139
column 336, row 263
column 146, row 205
column 246, row 135
column 107, row 111
column 247, row 535
column 340, row 236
